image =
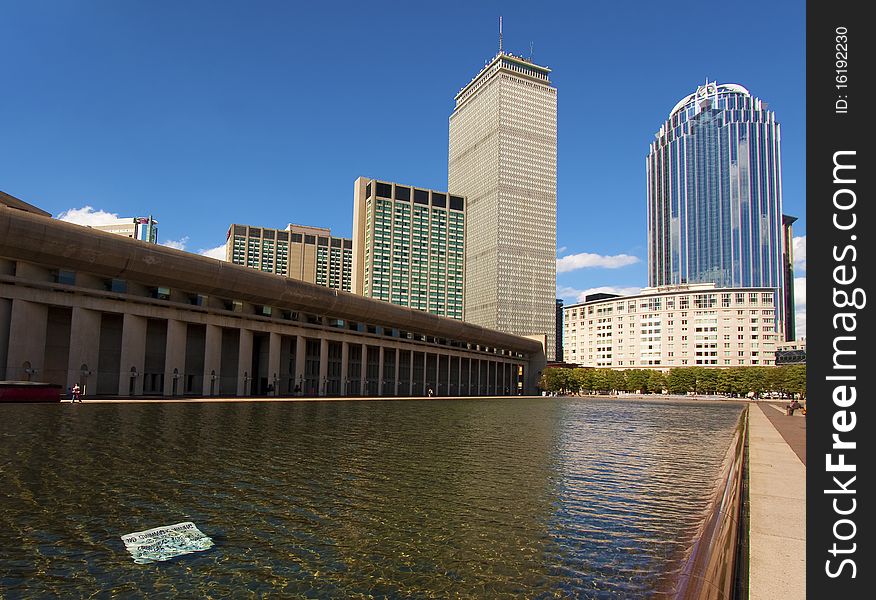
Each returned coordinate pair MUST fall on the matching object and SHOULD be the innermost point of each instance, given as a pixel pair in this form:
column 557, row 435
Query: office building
column 305, row 253
column 715, row 194
column 503, row 158
column 409, row 246
column 144, row 229
column 673, row 326
column 788, row 266
column 118, row 317
column 559, row 331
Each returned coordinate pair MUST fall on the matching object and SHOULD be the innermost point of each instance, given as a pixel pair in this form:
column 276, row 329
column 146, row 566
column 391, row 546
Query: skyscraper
column 301, row 252
column 503, row 158
column 408, row 246
column 715, row 194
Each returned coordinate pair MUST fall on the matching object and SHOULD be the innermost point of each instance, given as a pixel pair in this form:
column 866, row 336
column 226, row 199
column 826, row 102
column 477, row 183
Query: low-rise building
column 144, row 229
column 673, row 326
column 791, row 353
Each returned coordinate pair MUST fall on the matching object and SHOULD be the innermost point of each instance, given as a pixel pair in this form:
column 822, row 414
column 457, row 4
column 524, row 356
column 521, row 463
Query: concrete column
column 411, row 371
column 395, row 377
column 212, row 360
column 496, row 378
column 5, row 322
column 245, row 375
column 175, row 357
column 425, row 389
column 449, row 385
column 468, row 383
column 363, row 370
column 275, row 347
column 345, row 366
column 481, row 377
column 27, row 341
column 380, row 371
column 133, row 354
column 300, row 350
column 323, row 366
column 459, row 377
column 84, row 349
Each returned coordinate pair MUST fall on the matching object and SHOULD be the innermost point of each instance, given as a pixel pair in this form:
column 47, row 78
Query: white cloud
column 586, row 260
column 218, row 252
column 88, row 216
column 179, row 244
column 800, row 325
column 561, row 250
column 579, row 295
column 800, row 306
column 800, row 253
column 800, row 292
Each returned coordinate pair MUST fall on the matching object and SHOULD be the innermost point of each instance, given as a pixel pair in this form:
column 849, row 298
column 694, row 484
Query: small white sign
column 162, row 543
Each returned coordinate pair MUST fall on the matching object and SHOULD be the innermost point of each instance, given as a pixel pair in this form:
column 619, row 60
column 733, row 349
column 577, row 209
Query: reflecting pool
column 489, row 498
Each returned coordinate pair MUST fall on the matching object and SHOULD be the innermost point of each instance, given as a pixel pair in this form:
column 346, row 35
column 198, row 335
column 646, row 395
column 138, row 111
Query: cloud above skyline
column 799, row 253
column 575, row 295
column 87, row 215
column 179, row 244
column 586, row 260
column 218, row 252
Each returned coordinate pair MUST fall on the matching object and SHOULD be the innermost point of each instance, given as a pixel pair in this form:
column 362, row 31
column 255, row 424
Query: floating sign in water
column 162, row 543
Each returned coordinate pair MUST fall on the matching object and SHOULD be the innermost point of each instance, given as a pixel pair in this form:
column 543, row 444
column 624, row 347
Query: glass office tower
column 715, row 194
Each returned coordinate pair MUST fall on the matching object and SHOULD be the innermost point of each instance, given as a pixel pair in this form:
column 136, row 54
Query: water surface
column 559, row 497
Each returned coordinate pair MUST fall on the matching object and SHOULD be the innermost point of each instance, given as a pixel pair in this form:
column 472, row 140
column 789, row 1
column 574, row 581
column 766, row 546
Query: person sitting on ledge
column 794, row 405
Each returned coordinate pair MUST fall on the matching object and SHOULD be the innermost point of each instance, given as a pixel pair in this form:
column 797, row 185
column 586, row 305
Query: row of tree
column 787, row 380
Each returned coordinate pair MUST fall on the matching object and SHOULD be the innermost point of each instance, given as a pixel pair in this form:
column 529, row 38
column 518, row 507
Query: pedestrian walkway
column 777, row 493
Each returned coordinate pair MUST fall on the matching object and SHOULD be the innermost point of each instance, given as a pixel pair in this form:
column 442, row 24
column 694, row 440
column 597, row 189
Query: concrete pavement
column 777, row 493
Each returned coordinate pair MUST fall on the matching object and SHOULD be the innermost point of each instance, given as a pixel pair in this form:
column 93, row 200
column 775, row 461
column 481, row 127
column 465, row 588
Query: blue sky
column 205, row 113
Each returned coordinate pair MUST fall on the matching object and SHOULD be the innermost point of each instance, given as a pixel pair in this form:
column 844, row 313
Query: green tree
column 600, row 381
column 656, row 382
column 554, row 379
column 637, row 380
column 707, row 381
column 617, row 381
column 681, row 380
column 583, row 379
column 795, row 380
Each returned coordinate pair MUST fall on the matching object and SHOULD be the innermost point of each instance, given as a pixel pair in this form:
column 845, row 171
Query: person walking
column 77, row 393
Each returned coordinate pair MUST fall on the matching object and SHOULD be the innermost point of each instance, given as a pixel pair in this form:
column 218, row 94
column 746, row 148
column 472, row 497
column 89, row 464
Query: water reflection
column 421, row 499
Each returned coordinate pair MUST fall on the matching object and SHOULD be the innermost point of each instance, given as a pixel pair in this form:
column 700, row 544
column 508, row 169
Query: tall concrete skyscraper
column 715, row 194
column 503, row 158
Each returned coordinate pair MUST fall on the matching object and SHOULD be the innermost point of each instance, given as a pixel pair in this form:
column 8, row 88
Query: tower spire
column 500, row 34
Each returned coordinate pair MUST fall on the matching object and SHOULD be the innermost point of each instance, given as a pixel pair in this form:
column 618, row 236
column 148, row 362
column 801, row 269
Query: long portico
column 123, row 318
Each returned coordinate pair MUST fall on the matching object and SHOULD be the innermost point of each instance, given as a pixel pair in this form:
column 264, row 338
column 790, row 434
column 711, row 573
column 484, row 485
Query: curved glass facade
column 715, row 193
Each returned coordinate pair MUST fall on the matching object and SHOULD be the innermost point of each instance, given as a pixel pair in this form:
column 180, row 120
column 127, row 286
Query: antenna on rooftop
column 530, row 51
column 500, row 34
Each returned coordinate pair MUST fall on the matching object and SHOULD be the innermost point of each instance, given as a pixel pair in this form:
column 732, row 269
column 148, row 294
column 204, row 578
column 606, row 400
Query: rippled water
column 560, row 497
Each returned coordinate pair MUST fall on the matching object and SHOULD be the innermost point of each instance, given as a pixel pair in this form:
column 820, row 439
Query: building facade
column 121, row 318
column 791, row 352
column 144, row 229
column 673, row 326
column 409, row 246
column 305, row 253
column 503, row 158
column 788, row 266
column 715, row 194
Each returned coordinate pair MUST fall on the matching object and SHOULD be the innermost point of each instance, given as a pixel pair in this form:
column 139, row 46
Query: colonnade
column 113, row 347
